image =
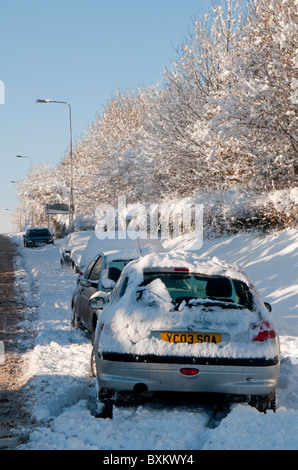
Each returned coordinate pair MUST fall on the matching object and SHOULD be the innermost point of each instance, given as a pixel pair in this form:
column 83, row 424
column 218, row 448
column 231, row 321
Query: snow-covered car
column 37, row 236
column 177, row 323
column 118, row 240
column 99, row 277
column 72, row 247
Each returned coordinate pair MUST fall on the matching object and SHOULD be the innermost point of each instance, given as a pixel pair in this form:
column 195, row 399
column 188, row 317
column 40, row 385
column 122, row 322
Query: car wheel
column 94, row 323
column 261, row 404
column 92, row 363
column 73, row 266
column 273, row 402
column 105, row 409
column 265, row 402
column 75, row 321
column 104, row 404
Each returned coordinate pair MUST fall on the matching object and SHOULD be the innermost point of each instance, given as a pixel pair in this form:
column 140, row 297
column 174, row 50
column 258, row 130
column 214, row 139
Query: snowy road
column 61, row 390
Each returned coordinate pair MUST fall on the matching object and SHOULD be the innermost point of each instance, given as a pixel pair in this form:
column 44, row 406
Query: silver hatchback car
column 177, row 323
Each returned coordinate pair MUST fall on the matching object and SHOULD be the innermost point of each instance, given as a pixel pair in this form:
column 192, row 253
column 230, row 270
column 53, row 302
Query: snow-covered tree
column 108, row 161
column 179, row 133
column 224, row 120
column 257, row 113
column 40, row 187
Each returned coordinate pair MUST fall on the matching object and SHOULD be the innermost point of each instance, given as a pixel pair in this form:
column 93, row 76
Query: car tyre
column 92, row 363
column 104, row 404
column 94, row 323
column 107, row 409
column 272, row 403
column 265, row 402
column 75, row 321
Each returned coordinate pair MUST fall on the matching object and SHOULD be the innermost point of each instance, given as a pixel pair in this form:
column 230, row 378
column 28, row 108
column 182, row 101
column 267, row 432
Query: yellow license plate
column 191, row 338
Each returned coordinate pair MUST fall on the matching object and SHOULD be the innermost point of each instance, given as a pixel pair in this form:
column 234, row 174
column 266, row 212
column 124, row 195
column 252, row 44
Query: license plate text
column 191, row 338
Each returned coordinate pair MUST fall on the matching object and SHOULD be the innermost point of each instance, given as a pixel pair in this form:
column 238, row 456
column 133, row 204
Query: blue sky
column 79, row 51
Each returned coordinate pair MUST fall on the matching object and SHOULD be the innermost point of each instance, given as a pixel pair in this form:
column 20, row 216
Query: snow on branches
column 225, row 117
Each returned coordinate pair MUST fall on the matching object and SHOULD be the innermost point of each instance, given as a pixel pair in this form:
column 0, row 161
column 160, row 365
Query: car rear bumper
column 236, row 377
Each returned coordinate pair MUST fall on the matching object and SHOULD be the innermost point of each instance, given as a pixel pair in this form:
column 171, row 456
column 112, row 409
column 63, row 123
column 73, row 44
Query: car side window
column 96, row 270
column 120, row 288
column 89, row 268
column 123, row 287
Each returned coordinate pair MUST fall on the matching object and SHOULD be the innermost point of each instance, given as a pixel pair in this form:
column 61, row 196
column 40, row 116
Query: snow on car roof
column 113, row 255
column 116, row 240
column 124, row 254
column 192, row 262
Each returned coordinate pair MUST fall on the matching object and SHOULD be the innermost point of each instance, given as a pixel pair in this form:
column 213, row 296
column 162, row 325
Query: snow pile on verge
column 243, row 428
column 61, row 390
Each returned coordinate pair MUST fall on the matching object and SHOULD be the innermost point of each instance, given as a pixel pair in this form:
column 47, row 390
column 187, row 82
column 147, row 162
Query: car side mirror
column 99, row 299
column 88, row 283
column 268, row 306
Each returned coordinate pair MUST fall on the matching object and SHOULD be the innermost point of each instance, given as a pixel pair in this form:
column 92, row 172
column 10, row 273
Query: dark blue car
column 37, row 237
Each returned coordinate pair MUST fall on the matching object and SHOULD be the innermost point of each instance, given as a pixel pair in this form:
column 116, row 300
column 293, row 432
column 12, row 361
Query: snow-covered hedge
column 235, row 211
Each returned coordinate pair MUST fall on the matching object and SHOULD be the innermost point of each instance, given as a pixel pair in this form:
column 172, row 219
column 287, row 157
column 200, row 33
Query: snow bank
column 245, row 429
column 272, row 263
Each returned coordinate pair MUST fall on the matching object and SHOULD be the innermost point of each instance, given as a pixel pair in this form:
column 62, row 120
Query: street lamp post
column 20, row 220
column 30, row 166
column 71, row 205
column 24, row 156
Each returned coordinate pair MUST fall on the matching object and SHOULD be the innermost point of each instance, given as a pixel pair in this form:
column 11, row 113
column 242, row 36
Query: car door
column 77, row 297
column 88, row 286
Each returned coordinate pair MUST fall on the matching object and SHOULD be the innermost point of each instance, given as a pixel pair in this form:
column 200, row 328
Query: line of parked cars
column 98, row 274
column 172, row 322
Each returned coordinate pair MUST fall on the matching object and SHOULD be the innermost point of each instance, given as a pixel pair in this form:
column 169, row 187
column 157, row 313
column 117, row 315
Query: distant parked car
column 118, row 240
column 37, row 237
column 78, row 249
column 72, row 247
column 99, row 277
column 177, row 323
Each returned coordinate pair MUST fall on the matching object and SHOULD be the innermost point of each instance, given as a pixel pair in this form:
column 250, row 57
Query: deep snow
column 61, row 390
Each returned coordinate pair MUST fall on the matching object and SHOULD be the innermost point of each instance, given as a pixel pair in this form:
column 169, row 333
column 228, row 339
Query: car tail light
column 263, row 331
column 189, row 371
column 183, row 270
